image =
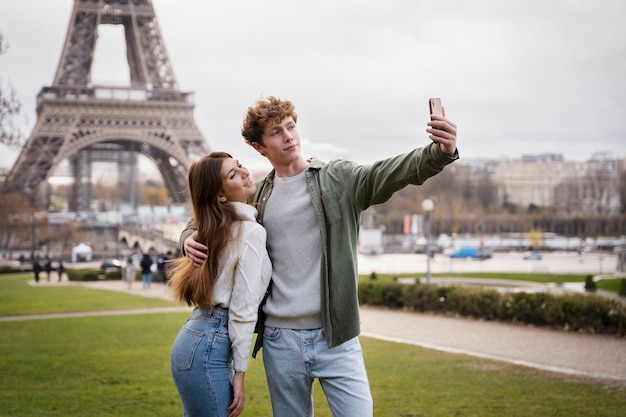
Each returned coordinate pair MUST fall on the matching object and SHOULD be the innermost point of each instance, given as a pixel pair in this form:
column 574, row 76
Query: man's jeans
column 294, row 358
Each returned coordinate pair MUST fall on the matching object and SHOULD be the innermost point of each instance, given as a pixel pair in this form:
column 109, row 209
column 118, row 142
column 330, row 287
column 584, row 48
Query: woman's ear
column 222, row 199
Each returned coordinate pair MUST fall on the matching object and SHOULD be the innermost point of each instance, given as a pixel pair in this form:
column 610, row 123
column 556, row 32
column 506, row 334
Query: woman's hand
column 239, row 395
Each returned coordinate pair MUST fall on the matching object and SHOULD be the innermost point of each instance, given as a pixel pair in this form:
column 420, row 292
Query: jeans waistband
column 217, row 311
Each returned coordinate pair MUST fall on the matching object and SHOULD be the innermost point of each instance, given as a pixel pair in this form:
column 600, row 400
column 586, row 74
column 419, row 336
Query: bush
column 82, row 274
column 590, row 284
column 577, row 312
column 423, row 298
column 371, row 294
column 8, row 270
column 393, row 295
column 525, row 308
column 593, row 314
column 478, row 302
column 113, row 274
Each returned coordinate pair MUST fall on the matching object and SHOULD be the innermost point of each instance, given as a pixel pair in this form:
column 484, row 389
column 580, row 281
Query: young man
column 311, row 211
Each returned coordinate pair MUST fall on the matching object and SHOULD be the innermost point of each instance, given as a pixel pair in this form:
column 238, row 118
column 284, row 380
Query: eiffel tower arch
column 85, row 123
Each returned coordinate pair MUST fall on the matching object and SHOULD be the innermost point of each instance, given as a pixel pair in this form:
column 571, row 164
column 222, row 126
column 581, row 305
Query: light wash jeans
column 294, row 358
column 146, row 279
column 201, row 364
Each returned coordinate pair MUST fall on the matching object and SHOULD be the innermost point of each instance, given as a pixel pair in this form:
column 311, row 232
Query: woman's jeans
column 201, row 364
column 294, row 358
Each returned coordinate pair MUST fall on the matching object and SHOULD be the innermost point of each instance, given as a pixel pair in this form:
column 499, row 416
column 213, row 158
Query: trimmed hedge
column 576, row 312
column 92, row 275
column 82, row 274
column 15, row 270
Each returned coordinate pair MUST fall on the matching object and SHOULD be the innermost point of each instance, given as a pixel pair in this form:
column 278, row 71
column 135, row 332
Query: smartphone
column 435, row 106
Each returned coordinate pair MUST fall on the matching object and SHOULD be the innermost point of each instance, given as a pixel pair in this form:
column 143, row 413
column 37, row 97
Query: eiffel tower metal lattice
column 83, row 123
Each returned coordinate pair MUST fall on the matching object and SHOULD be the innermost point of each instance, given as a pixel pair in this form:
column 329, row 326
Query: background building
column 547, row 181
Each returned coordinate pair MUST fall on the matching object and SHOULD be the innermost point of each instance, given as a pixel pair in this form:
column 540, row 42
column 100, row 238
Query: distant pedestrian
column 37, row 269
column 167, row 266
column 60, row 270
column 161, row 268
column 146, row 271
column 129, row 272
column 47, row 266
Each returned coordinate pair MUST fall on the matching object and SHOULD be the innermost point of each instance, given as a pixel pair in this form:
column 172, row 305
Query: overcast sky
column 518, row 76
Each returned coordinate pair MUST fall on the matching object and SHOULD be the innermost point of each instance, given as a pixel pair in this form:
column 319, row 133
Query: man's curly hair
column 262, row 113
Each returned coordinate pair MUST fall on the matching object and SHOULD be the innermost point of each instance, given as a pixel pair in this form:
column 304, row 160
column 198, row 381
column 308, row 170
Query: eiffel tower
column 85, row 123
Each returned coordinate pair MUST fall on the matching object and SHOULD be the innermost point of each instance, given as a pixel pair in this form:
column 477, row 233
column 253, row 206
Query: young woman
column 225, row 290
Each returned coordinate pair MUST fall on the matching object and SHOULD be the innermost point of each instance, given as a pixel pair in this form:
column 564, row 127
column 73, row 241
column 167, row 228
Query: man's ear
column 258, row 148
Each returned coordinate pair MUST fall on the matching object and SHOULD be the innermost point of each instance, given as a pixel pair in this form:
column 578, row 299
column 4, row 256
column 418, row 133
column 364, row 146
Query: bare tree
column 622, row 192
column 3, row 44
column 10, row 107
column 16, row 218
column 602, row 192
column 568, row 196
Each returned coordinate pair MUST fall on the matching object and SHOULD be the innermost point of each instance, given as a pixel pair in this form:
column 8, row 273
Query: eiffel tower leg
column 133, row 192
column 81, row 190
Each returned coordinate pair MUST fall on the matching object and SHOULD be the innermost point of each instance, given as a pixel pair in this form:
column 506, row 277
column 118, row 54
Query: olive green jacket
column 340, row 190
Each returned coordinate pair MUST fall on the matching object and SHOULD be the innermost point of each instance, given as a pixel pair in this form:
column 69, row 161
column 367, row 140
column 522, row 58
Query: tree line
column 470, row 204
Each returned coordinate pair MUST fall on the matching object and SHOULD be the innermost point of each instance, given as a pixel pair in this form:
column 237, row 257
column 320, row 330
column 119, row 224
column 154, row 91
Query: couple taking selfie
column 286, row 242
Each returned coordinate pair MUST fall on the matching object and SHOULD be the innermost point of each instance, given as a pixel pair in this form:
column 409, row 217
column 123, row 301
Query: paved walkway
column 588, row 355
column 600, row 357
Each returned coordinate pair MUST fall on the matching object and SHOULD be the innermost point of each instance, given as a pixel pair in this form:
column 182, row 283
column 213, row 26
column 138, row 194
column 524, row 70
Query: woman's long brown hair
column 216, row 223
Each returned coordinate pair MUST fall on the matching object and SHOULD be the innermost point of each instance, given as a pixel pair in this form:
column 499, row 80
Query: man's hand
column 195, row 251
column 443, row 132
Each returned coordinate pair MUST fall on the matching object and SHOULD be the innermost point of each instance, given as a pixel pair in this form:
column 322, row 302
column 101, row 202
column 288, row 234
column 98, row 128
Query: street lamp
column 428, row 205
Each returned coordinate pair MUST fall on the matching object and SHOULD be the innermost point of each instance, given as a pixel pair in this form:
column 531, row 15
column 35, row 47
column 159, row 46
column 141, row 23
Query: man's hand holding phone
column 441, row 130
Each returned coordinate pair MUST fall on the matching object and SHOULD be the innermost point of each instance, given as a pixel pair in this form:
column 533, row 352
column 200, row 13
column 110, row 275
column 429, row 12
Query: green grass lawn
column 119, row 366
column 16, row 297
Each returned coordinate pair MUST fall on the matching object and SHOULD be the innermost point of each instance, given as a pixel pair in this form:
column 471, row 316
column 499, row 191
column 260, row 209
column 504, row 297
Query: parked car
column 9, row 263
column 471, row 252
column 111, row 264
column 533, row 255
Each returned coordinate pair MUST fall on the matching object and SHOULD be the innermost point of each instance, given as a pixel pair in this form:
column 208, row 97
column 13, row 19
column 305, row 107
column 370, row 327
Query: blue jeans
column 294, row 358
column 146, row 279
column 201, row 364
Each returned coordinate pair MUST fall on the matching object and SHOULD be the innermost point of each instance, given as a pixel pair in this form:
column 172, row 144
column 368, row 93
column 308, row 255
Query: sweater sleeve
column 251, row 279
column 187, row 231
